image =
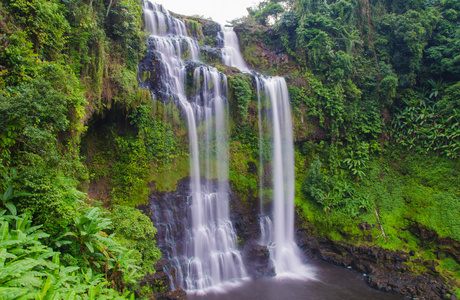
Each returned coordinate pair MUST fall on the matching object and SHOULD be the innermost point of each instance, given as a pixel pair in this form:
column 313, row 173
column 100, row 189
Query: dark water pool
column 332, row 283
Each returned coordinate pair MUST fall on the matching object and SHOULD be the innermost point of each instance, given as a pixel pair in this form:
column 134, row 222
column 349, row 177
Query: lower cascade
column 277, row 232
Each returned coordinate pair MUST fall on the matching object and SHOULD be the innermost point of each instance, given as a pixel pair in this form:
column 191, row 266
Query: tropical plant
column 31, row 270
column 89, row 231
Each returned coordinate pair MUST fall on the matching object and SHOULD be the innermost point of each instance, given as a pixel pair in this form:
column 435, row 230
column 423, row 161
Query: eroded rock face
column 150, row 72
column 258, row 261
column 385, row 270
column 177, row 294
column 168, row 212
column 447, row 246
column 160, row 284
column 244, row 216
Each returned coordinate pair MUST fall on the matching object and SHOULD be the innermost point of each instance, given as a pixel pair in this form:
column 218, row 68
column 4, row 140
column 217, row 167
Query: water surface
column 333, row 283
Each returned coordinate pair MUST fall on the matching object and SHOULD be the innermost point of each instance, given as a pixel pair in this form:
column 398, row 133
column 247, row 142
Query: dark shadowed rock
column 258, row 261
column 385, row 270
column 159, row 281
column 177, row 294
column 365, row 226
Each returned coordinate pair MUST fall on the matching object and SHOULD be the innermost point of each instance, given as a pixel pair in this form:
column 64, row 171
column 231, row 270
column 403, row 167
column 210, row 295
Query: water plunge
column 279, row 233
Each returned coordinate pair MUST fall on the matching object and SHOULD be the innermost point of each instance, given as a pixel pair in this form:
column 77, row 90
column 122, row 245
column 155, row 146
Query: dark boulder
column 258, row 261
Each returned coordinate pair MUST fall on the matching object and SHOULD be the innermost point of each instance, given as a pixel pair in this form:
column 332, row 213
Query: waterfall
column 231, row 54
column 203, row 253
column 285, row 253
column 277, row 228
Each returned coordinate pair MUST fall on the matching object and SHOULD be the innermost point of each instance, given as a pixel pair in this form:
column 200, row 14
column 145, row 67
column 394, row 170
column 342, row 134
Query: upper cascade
column 158, row 21
column 169, row 32
column 231, row 54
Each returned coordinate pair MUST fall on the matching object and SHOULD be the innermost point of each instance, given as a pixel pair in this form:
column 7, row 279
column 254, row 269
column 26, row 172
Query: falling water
column 207, row 255
column 231, row 54
column 286, row 255
column 277, row 232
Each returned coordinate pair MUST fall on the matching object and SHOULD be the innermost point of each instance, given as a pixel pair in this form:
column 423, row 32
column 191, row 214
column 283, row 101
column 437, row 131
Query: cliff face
column 366, row 237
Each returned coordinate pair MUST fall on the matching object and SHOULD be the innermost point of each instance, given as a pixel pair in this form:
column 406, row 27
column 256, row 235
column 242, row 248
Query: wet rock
column 211, row 28
column 211, row 54
column 159, row 266
column 159, row 282
column 386, row 270
column 258, row 261
column 446, row 246
column 177, row 294
column 365, row 226
column 191, row 65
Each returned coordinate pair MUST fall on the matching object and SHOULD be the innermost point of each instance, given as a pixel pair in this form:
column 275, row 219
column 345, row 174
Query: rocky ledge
column 385, row 270
column 160, row 284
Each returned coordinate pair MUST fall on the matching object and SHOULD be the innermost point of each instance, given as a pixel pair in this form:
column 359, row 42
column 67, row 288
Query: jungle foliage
column 368, row 65
column 375, row 94
column 374, row 87
column 63, row 63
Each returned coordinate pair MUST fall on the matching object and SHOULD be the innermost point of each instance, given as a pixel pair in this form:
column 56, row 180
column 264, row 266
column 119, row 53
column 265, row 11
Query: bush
column 135, row 230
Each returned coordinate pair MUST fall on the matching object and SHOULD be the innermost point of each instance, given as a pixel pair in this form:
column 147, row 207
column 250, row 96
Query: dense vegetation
column 374, row 87
column 63, row 66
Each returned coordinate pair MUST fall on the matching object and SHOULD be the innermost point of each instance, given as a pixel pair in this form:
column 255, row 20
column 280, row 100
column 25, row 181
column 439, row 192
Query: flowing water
column 231, row 54
column 278, row 231
column 207, row 255
column 333, row 283
column 196, row 236
column 277, row 227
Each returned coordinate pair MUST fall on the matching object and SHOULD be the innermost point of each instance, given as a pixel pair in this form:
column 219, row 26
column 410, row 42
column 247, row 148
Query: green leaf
column 11, row 293
column 12, row 208
column 8, row 193
column 90, row 247
column 70, row 296
column 46, row 287
column 4, row 230
column 62, row 243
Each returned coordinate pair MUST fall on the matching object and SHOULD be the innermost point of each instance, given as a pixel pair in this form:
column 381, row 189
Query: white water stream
column 205, row 255
column 231, row 54
column 210, row 256
column 277, row 228
column 279, row 233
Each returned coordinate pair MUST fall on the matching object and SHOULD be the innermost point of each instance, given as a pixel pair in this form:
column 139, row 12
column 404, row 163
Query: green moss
column 194, row 29
column 244, row 181
column 240, row 87
column 165, row 179
column 404, row 193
